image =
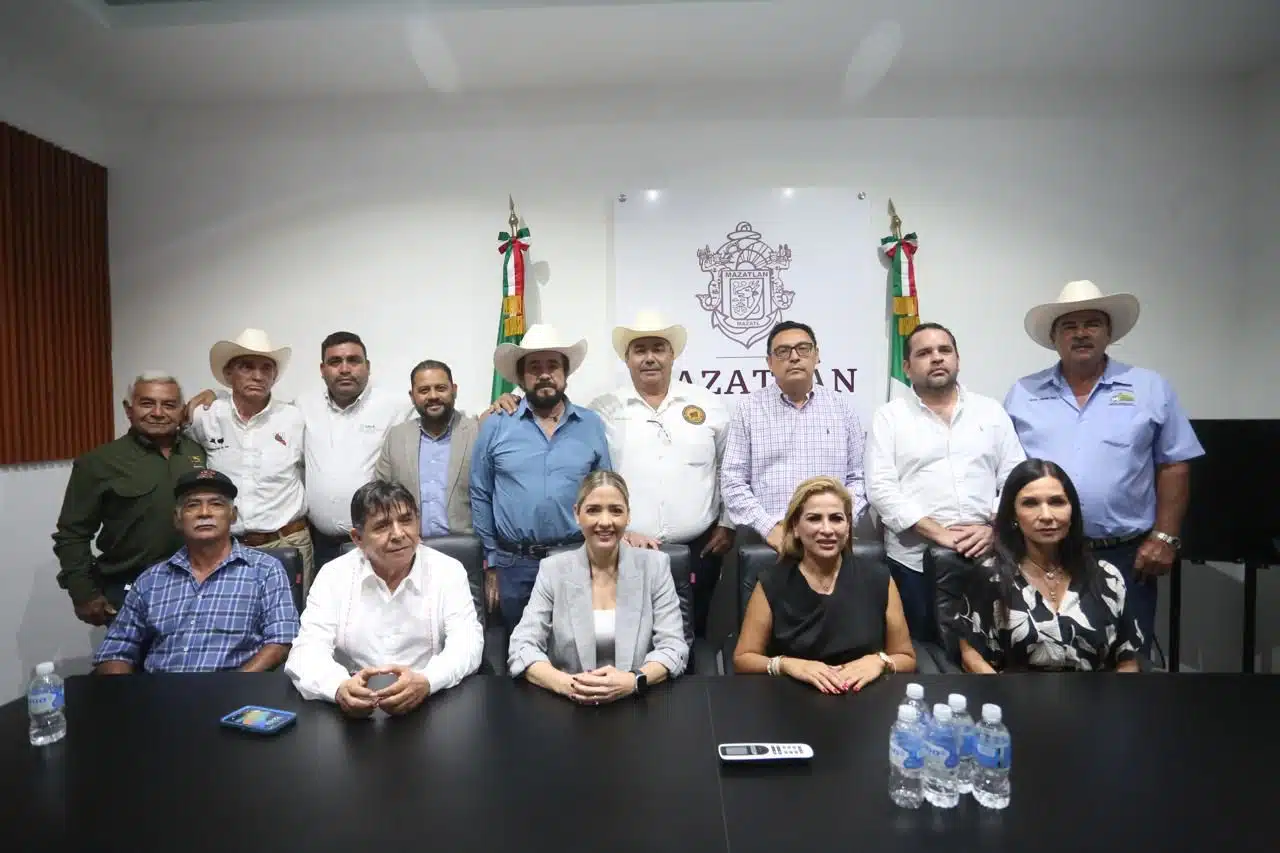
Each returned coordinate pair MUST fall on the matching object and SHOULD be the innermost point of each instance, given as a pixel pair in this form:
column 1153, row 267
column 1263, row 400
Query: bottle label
column 968, row 744
column 44, row 700
column 942, row 753
column 904, row 752
column 994, row 756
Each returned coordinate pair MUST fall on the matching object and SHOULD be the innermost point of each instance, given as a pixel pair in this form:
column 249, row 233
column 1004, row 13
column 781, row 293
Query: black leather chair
column 292, row 561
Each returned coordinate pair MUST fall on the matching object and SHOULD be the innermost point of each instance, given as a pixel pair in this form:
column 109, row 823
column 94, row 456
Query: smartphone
column 259, row 720
column 377, row 682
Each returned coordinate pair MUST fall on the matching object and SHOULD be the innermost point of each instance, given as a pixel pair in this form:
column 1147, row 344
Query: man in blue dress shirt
column 1119, row 433
column 526, row 468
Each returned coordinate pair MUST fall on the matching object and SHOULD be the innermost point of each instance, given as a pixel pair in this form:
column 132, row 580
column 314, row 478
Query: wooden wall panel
column 55, row 302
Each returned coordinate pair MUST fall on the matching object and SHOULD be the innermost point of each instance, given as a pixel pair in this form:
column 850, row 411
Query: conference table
column 1100, row 762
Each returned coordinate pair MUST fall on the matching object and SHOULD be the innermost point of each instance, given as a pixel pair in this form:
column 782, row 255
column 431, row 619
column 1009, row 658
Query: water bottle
column 915, row 699
column 965, row 734
column 941, row 760
column 44, row 707
column 906, row 759
column 993, row 749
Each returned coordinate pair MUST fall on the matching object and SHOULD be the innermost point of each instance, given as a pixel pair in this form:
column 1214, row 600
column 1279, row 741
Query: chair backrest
column 466, row 549
column 952, row 575
column 754, row 559
column 292, row 561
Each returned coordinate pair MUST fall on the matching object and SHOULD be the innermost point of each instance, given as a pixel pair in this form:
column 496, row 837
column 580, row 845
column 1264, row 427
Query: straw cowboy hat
column 1122, row 308
column 539, row 338
column 649, row 324
column 250, row 342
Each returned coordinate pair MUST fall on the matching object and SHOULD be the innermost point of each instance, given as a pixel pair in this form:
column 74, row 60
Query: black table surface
column 1101, row 762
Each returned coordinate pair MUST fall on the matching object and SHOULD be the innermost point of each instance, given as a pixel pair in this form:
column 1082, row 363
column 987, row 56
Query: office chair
column 291, row 559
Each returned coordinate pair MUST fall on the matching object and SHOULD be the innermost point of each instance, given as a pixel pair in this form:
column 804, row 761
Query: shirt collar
column 271, row 406
column 448, row 430
column 182, row 559
column 525, row 410
column 416, row 579
column 355, row 404
column 150, row 446
column 787, row 401
column 675, row 392
column 960, row 394
column 1110, row 374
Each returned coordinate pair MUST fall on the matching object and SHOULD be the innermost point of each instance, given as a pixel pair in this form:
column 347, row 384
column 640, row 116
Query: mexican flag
column 901, row 253
column 514, row 248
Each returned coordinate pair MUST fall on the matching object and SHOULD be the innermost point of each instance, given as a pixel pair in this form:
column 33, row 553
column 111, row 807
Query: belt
column 1114, row 541
column 253, row 540
column 534, row 549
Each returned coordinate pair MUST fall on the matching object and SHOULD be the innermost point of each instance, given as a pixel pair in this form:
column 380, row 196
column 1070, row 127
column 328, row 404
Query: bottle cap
column 908, row 714
column 915, row 690
column 942, row 713
column 45, row 668
column 957, row 702
column 991, row 713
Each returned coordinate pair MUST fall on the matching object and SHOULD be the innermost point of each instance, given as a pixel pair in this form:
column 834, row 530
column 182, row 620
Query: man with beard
column 122, row 493
column 1119, row 433
column 935, row 464
column 527, row 468
column 431, row 455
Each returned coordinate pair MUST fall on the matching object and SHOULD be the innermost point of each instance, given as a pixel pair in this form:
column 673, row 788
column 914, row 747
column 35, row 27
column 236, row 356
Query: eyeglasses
column 784, row 350
column 662, row 430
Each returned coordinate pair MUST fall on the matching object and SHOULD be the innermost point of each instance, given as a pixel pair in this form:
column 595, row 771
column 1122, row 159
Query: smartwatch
column 642, row 682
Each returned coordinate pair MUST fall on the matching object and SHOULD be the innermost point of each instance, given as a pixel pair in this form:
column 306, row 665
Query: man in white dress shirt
column 936, row 461
column 347, row 423
column 667, row 439
column 256, row 441
column 391, row 607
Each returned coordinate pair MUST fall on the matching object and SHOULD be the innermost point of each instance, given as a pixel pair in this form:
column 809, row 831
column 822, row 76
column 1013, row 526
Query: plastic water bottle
column 994, row 751
column 915, row 699
column 44, row 707
column 941, row 760
column 906, row 759
column 965, row 734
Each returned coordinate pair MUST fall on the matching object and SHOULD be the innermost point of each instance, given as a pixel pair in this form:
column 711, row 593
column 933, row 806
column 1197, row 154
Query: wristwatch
column 642, row 682
column 889, row 665
column 1172, row 541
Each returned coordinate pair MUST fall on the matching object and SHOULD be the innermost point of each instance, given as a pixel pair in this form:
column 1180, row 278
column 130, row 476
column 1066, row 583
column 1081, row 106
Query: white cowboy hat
column 649, row 324
column 249, row 342
column 538, row 338
column 1122, row 308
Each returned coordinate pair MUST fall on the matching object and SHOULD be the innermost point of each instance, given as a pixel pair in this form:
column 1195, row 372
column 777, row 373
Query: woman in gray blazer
column 603, row 621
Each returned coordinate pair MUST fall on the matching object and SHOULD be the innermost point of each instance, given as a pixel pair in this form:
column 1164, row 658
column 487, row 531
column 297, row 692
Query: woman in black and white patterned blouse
column 1043, row 601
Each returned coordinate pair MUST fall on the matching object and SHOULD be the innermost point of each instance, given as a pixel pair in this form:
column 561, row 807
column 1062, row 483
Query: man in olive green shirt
column 122, row 492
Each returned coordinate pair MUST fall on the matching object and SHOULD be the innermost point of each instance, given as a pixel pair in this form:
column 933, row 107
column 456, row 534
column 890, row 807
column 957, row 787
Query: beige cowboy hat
column 249, row 342
column 649, row 324
column 1122, row 308
column 538, row 338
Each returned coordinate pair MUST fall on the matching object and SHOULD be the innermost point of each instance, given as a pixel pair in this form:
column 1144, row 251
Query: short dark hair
column 429, row 364
column 377, row 497
column 520, row 363
column 788, row 325
column 924, row 327
column 340, row 338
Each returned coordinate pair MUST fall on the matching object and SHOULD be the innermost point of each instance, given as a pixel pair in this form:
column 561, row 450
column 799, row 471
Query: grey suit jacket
column 398, row 463
column 558, row 625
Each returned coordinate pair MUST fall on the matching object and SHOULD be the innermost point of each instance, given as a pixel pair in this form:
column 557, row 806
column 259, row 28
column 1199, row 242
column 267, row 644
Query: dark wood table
column 1101, row 762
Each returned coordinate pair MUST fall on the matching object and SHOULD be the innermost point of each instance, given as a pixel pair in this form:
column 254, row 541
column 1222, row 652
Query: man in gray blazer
column 431, row 455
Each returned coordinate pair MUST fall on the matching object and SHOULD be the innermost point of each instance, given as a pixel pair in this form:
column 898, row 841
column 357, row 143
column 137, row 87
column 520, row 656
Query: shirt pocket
column 231, row 618
column 697, row 447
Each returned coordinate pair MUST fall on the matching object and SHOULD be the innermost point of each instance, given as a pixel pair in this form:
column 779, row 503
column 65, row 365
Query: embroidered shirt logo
column 694, row 415
column 280, row 438
column 1123, row 398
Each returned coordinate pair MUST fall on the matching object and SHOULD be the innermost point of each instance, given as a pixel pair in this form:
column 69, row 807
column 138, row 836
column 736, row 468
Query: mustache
column 544, row 383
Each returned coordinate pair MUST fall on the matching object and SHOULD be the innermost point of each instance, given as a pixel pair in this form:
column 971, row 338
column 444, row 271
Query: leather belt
column 538, row 550
column 254, row 540
column 1115, row 541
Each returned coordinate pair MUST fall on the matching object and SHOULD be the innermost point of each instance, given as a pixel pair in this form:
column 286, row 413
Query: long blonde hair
column 599, row 478
column 812, row 487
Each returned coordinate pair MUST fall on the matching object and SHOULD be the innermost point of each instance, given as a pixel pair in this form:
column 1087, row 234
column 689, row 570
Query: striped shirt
column 169, row 623
column 775, row 445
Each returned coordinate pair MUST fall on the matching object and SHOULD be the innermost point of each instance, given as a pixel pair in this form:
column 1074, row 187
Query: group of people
column 571, row 504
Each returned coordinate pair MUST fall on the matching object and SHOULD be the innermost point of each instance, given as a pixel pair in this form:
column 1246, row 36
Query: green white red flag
column 514, row 249
column 901, row 252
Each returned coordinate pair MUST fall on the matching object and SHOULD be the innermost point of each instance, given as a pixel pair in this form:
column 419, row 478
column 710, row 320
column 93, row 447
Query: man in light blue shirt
column 1119, row 433
column 526, row 469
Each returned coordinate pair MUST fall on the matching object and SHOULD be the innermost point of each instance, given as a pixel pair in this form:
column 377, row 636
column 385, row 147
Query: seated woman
column 821, row 615
column 1042, row 601
column 603, row 621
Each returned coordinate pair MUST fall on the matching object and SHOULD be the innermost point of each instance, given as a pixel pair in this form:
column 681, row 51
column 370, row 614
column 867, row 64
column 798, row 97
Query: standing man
column 346, row 426
column 122, row 493
column 256, row 440
column 667, row 440
column 935, row 465
column 431, row 456
column 787, row 432
column 526, row 468
column 1119, row 433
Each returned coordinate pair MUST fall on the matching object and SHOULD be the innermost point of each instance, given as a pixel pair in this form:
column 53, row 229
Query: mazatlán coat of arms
column 745, row 295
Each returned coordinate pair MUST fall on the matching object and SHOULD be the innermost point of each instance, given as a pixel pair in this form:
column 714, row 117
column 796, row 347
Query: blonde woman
column 821, row 615
column 603, row 621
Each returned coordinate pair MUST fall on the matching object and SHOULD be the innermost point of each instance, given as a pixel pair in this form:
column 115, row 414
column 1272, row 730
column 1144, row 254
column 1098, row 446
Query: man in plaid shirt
column 787, row 432
column 214, row 605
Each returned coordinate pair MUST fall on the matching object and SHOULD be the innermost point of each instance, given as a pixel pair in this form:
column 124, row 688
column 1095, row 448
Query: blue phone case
column 259, row 719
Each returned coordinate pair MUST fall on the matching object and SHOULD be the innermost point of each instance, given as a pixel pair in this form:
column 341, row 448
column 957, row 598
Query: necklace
column 1051, row 579
column 821, row 585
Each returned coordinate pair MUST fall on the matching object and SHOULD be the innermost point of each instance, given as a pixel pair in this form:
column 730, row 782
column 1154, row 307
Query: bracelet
column 775, row 665
column 888, row 663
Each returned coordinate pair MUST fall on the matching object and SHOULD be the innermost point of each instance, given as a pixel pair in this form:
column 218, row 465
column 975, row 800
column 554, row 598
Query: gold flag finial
column 513, row 220
column 895, row 221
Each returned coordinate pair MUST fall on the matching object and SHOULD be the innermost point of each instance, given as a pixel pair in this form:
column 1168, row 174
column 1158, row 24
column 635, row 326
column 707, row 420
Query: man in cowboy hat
column 526, row 468
column 667, row 439
column 1117, row 430
column 256, row 440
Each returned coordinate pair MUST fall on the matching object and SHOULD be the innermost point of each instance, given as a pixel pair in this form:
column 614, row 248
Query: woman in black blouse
column 820, row 615
column 1042, row 601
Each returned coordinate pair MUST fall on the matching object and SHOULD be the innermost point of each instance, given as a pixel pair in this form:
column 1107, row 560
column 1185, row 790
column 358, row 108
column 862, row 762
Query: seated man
column 393, row 606
column 214, row 605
